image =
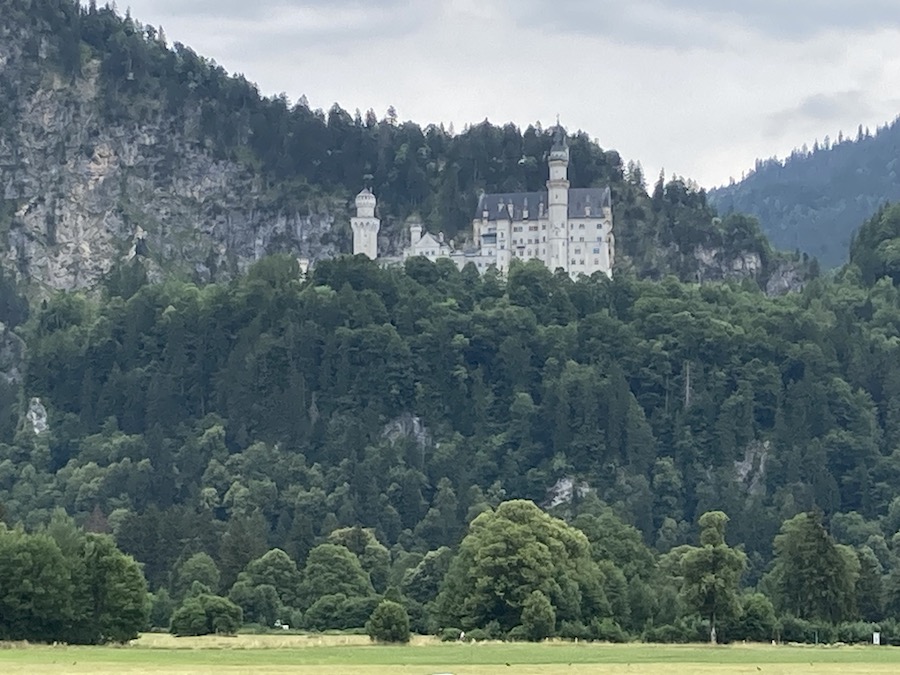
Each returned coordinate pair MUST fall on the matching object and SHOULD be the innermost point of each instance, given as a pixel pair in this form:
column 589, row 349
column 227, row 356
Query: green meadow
column 354, row 655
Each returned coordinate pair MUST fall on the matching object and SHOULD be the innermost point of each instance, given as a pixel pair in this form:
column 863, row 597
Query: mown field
column 354, row 655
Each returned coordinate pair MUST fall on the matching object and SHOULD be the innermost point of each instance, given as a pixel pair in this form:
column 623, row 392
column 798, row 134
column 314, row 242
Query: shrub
column 538, row 616
column 205, row 614
column 518, row 634
column 608, row 630
column 477, row 635
column 449, row 634
column 338, row 612
column 856, row 632
column 388, row 623
column 681, row 631
column 800, row 630
column 574, row 630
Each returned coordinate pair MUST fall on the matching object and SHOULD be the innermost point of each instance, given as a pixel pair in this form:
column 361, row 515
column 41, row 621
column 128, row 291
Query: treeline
column 816, row 198
column 522, row 574
column 301, row 160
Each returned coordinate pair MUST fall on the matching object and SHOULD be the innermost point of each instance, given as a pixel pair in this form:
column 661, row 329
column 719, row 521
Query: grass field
column 354, row 655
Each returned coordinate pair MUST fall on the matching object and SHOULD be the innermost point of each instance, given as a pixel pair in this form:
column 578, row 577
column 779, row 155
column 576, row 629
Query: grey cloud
column 263, row 28
column 258, row 24
column 832, row 107
column 705, row 23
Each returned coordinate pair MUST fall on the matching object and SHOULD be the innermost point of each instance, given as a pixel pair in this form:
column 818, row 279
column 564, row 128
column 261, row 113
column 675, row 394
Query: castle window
column 582, row 239
column 577, row 251
column 543, row 240
column 596, row 251
column 532, row 228
column 581, row 262
column 596, row 261
column 581, row 227
column 573, row 261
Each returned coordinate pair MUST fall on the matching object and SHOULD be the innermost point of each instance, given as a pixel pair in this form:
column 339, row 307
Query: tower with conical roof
column 558, row 202
column 365, row 225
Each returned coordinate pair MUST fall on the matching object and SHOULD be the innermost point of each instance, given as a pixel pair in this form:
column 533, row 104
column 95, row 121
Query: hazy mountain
column 816, row 199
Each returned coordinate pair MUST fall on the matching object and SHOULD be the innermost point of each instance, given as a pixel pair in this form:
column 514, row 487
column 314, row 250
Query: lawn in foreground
column 353, row 655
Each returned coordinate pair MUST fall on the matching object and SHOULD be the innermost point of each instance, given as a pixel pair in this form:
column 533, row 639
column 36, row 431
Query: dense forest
column 815, row 199
column 669, row 455
column 369, row 414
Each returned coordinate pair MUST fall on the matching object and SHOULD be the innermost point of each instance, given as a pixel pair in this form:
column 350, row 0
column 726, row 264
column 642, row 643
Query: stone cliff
column 80, row 194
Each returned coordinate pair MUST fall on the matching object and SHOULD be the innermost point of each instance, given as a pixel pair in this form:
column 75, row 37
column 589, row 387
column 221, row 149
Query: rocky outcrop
column 751, row 470
column 80, row 193
column 785, row 278
column 408, row 427
column 12, row 356
column 37, row 416
column 714, row 264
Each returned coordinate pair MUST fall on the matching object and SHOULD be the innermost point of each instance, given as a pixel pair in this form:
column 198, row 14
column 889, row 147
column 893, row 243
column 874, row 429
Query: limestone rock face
column 12, row 356
column 37, row 416
column 79, row 193
column 785, row 279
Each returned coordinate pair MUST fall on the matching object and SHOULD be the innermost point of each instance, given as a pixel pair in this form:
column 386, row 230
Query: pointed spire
column 559, row 137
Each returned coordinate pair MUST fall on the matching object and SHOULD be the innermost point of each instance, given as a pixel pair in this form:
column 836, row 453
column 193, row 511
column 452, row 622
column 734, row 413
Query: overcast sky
column 700, row 88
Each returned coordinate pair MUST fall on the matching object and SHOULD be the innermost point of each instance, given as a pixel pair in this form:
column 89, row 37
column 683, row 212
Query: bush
column 757, row 622
column 518, row 634
column 607, row 630
column 856, row 632
column 538, row 616
column 477, row 635
column 681, row 631
column 388, row 623
column 338, row 612
column 801, row 630
column 450, row 634
column 205, row 614
column 574, row 630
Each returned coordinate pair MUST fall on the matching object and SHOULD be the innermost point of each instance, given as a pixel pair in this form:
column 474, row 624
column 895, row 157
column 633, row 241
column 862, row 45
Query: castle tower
column 558, row 206
column 365, row 225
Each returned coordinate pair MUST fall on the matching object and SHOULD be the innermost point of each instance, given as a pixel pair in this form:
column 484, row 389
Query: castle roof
column 498, row 205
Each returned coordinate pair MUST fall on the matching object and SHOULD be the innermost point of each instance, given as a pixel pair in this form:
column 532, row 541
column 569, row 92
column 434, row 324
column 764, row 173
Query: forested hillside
column 272, row 447
column 230, row 419
column 115, row 144
column 815, row 199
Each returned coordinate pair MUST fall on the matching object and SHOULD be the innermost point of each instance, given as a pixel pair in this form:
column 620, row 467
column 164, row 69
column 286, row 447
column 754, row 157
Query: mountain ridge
column 815, row 199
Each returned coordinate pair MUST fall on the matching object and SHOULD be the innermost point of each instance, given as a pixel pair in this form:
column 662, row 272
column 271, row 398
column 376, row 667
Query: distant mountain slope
column 816, row 199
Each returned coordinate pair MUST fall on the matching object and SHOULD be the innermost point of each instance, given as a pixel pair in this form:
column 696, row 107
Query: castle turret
column 415, row 233
column 558, row 203
column 365, row 225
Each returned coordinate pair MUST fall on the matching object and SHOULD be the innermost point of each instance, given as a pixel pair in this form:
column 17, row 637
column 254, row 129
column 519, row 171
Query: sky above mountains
column 700, row 91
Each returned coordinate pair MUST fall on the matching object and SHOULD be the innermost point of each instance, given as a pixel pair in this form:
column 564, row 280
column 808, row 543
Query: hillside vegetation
column 227, row 420
column 516, row 456
column 815, row 199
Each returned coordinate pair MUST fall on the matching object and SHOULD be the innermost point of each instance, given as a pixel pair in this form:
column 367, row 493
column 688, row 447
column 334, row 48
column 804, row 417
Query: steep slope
column 113, row 144
column 94, row 170
column 814, row 200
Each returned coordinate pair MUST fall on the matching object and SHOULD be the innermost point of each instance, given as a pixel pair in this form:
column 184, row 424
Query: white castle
column 563, row 227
